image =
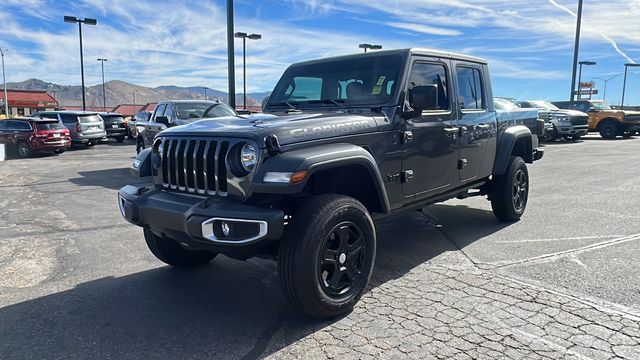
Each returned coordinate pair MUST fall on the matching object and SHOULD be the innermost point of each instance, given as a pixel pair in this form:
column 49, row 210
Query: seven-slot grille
column 195, row 165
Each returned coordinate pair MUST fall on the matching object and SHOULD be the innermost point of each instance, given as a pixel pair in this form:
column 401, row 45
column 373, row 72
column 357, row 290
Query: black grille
column 195, row 165
column 634, row 117
column 579, row 120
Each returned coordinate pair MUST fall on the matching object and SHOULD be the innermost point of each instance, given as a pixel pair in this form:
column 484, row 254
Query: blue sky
column 529, row 44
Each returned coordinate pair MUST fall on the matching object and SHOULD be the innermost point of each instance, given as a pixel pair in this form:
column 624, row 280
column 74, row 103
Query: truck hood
column 288, row 128
column 571, row 113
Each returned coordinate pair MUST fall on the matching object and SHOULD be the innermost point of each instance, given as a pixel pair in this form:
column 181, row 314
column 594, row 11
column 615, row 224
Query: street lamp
column 205, row 93
column 604, row 96
column 576, row 50
column 4, row 81
column 624, row 86
column 370, row 47
column 134, row 99
column 244, row 37
column 88, row 21
column 588, row 63
column 104, row 94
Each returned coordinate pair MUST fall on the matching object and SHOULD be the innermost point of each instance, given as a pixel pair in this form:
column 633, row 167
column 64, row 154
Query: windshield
column 43, row 126
column 600, row 105
column 356, row 81
column 112, row 118
column 219, row 110
column 504, row 105
column 192, row 110
column 545, row 105
column 89, row 118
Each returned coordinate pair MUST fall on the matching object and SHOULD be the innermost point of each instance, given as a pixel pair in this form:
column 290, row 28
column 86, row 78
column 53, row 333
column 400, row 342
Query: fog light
column 226, row 229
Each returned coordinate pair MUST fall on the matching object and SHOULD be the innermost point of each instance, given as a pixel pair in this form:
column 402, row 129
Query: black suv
column 345, row 141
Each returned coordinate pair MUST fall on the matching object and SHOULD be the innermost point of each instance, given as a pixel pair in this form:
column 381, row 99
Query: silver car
column 85, row 127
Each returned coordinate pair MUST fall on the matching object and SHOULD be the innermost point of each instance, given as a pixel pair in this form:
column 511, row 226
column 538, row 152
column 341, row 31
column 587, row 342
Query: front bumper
column 195, row 221
column 572, row 130
column 626, row 127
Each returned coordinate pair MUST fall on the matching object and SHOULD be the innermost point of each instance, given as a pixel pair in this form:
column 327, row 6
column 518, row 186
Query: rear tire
column 510, row 192
column 23, row 148
column 171, row 253
column 139, row 145
column 550, row 136
column 608, row 130
column 327, row 255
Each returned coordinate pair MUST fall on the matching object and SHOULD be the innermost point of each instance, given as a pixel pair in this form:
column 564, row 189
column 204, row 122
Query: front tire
column 171, row 253
column 510, row 192
column 139, row 145
column 608, row 130
column 550, row 136
column 327, row 255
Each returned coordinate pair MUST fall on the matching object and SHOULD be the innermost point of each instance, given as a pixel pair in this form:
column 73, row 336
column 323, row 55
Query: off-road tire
column 504, row 188
column 23, row 149
column 608, row 129
column 171, row 253
column 313, row 226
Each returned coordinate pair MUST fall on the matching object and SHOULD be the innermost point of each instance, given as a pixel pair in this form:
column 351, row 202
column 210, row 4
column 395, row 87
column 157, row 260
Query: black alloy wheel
column 520, row 190
column 510, row 191
column 24, row 149
column 342, row 259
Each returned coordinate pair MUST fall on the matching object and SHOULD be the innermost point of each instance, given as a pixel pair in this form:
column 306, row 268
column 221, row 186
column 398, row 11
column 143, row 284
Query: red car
column 34, row 135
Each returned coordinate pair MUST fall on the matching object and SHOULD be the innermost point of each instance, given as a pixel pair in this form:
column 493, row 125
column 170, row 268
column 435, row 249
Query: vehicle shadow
column 108, row 178
column 228, row 310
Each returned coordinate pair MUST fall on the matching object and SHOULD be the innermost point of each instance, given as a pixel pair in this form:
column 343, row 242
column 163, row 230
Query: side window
column 471, row 94
column 432, row 74
column 69, row 118
column 159, row 112
column 168, row 111
column 23, row 126
column 3, row 125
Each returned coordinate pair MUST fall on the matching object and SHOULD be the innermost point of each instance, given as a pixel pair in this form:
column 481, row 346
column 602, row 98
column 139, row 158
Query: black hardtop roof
column 404, row 52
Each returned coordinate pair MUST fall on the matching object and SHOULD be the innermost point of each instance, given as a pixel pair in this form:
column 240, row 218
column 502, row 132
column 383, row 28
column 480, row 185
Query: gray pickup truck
column 345, row 141
column 561, row 123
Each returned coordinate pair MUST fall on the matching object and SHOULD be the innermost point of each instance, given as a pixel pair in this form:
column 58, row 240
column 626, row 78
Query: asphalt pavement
column 77, row 281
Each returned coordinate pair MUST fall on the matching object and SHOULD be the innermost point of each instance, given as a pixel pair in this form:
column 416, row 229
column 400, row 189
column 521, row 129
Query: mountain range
column 121, row 92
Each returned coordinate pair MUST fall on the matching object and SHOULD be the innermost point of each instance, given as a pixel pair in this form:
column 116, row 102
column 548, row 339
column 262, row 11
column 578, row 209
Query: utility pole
column 576, row 51
column 230, row 55
column 104, row 94
column 4, row 81
column 205, row 93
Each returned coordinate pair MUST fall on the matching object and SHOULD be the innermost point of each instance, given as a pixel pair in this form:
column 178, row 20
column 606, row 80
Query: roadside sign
column 586, row 92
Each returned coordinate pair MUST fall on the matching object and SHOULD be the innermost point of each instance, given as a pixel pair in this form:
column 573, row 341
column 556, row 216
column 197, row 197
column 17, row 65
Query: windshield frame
column 278, row 104
column 600, row 105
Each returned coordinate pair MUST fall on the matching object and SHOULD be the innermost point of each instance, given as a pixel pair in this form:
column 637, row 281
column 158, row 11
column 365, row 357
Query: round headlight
column 248, row 157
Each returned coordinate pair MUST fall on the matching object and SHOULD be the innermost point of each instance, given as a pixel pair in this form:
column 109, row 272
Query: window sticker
column 380, row 81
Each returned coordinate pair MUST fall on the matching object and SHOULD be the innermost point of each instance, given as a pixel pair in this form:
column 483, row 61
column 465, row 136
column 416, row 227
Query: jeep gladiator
column 343, row 142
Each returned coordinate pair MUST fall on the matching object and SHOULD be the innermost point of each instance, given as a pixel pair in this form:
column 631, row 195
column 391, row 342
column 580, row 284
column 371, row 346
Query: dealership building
column 27, row 102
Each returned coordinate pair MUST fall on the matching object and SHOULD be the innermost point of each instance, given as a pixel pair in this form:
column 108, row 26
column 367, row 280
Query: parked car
column 178, row 112
column 569, row 124
column 350, row 139
column 141, row 117
column 511, row 114
column 114, row 125
column 85, row 127
column 30, row 135
column 608, row 122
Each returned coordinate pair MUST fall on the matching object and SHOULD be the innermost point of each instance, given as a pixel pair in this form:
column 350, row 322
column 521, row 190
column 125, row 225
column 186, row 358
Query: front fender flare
column 507, row 143
column 316, row 159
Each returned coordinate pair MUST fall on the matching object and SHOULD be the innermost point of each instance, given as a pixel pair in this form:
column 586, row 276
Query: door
column 477, row 124
column 154, row 127
column 4, row 132
column 430, row 154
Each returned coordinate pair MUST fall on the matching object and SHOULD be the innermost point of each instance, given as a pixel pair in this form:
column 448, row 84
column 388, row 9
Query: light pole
column 231, row 67
column 134, row 99
column 205, row 93
column 4, row 81
column 588, row 63
column 244, row 37
column 624, row 84
column 88, row 21
column 370, row 47
column 576, row 51
column 604, row 96
column 104, row 94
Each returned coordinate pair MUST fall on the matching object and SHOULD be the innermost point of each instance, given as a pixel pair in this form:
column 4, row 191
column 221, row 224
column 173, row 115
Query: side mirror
column 424, row 97
column 162, row 120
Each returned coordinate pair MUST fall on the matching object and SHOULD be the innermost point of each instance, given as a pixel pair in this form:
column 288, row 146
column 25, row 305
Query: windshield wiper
column 337, row 102
column 287, row 103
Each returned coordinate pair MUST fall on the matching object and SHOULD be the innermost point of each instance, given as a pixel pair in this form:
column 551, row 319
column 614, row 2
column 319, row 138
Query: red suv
column 34, row 135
